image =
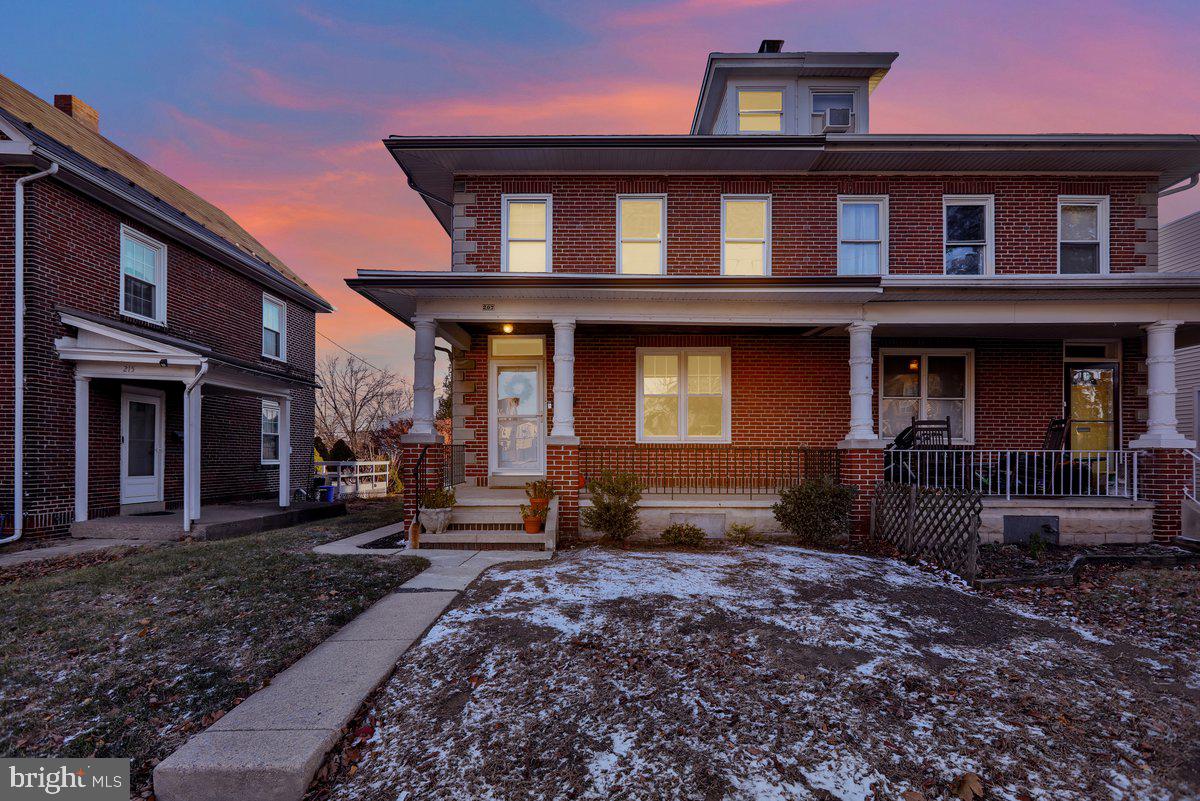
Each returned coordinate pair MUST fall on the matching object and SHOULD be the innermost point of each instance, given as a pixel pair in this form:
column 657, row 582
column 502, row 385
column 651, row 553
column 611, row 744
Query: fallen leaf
column 912, row 795
column 968, row 787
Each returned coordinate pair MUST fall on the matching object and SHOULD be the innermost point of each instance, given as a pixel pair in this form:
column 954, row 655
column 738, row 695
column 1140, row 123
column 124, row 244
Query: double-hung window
column 862, row 234
column 525, row 220
column 760, row 110
column 274, row 328
column 745, row 234
column 143, row 277
column 1082, row 235
column 926, row 385
column 969, row 234
column 641, row 234
column 270, row 432
column 683, row 394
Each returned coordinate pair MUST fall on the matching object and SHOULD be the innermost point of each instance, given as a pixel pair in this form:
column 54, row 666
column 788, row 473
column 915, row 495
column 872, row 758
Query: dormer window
column 760, row 110
column 832, row 112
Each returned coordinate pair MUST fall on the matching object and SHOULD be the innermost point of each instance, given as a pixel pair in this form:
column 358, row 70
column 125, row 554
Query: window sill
column 279, row 359
column 269, row 464
column 141, row 319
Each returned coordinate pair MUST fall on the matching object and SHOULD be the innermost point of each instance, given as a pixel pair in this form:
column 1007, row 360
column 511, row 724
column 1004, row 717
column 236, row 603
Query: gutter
column 1195, row 179
column 19, row 352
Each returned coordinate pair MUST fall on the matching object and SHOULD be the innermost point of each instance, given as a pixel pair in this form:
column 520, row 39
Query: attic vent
column 771, row 46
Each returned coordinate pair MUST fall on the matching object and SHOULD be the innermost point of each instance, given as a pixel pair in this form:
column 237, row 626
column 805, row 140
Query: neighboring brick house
column 726, row 311
column 140, row 299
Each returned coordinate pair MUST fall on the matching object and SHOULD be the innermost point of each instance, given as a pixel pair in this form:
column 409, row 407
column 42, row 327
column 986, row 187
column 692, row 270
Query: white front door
column 518, row 417
column 142, row 435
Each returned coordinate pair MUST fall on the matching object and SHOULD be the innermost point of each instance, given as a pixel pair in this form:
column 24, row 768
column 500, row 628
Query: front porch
column 216, row 522
column 752, row 395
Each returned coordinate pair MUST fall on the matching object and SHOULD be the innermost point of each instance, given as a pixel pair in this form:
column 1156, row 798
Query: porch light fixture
column 507, row 328
column 914, row 365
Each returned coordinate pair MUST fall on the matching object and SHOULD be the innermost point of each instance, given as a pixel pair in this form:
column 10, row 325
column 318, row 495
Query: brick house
column 731, row 309
column 166, row 356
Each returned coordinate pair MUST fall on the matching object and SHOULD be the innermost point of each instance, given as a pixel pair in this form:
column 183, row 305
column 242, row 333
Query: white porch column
column 191, row 456
column 862, row 419
column 1161, row 430
column 563, row 430
column 285, row 451
column 81, row 448
column 423, row 357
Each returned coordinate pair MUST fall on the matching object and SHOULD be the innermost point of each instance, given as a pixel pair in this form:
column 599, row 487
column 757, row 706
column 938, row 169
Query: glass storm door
column 1092, row 406
column 518, row 418
column 141, row 449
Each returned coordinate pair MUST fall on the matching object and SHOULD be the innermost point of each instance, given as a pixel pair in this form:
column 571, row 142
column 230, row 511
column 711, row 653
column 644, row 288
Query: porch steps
column 489, row 518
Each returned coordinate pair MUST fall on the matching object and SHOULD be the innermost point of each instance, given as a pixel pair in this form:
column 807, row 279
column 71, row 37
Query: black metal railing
column 695, row 469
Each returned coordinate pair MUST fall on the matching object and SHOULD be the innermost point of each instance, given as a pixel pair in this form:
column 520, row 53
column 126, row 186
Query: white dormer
column 802, row 93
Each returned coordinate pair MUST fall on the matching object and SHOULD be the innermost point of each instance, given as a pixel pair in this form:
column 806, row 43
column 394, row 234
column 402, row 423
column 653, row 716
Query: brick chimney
column 77, row 110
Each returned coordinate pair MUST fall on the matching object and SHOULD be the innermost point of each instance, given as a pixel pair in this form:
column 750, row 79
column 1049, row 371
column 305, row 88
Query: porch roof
column 146, row 354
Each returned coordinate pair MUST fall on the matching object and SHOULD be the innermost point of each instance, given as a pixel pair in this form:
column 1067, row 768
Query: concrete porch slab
column 217, row 521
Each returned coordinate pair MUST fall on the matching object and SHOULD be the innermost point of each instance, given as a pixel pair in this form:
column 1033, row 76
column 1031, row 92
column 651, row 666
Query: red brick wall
column 1163, row 476
column 804, row 219
column 73, row 260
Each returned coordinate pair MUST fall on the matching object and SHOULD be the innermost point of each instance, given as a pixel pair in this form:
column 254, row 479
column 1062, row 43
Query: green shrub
column 684, row 535
column 614, row 509
column 1037, row 545
column 817, row 512
column 395, row 484
column 438, row 499
column 528, row 511
column 741, row 534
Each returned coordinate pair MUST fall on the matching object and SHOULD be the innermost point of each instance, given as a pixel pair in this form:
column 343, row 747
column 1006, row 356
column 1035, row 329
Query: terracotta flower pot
column 533, row 525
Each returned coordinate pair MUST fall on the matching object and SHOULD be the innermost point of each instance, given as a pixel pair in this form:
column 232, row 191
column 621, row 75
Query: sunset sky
column 274, row 112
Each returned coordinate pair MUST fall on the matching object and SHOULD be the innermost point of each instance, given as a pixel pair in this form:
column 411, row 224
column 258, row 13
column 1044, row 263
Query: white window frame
column 1101, row 203
column 263, row 434
column 662, row 232
column 989, row 220
column 882, row 202
column 725, row 199
column 726, row 394
column 504, row 239
column 282, row 356
column 783, row 107
column 813, row 91
column 160, row 282
column 968, row 437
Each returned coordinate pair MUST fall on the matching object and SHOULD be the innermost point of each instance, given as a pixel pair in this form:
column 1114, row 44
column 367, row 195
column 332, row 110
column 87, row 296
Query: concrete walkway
column 71, row 548
column 269, row 746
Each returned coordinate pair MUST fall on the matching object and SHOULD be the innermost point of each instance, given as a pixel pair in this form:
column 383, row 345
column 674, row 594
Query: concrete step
column 483, row 538
column 486, row 514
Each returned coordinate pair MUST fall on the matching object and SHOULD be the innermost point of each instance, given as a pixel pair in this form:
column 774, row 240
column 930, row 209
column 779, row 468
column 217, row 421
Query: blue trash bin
column 327, row 493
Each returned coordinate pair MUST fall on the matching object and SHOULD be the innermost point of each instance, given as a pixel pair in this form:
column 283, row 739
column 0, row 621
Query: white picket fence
column 355, row 479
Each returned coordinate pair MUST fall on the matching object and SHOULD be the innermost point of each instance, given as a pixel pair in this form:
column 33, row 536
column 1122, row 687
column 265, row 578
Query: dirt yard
column 770, row 673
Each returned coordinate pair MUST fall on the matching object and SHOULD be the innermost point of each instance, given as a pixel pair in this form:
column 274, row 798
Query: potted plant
column 436, row 507
column 540, row 493
column 534, row 517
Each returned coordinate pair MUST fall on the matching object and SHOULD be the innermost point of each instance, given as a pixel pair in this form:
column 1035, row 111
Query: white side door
column 143, row 432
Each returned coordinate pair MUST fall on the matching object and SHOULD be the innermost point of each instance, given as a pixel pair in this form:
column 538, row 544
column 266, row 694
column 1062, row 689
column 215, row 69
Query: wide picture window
column 684, row 395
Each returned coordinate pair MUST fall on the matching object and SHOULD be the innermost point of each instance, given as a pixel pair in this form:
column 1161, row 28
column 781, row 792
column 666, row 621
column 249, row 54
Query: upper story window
column 641, row 234
column 274, row 328
column 1082, row 235
column 683, row 394
column 143, row 277
column 969, row 235
column 862, row 234
column 745, row 234
column 760, row 110
column 526, row 233
column 270, row 432
column 840, row 108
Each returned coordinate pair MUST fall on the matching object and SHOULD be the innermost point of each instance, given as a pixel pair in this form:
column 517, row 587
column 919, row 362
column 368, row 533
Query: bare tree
column 356, row 399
